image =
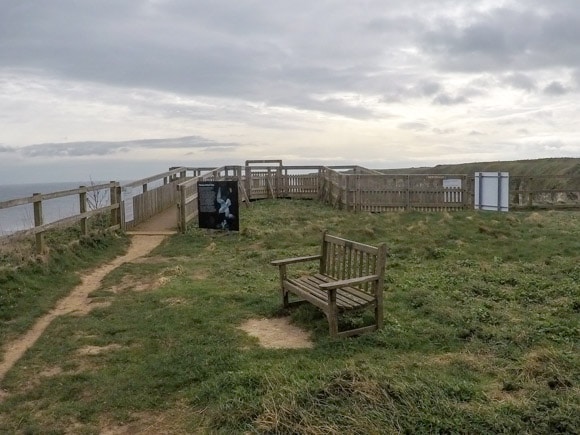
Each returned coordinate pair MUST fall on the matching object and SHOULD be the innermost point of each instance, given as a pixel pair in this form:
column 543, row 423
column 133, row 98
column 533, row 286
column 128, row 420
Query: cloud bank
column 364, row 81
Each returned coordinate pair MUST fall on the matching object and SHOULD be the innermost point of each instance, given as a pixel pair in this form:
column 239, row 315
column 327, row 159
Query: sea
column 21, row 217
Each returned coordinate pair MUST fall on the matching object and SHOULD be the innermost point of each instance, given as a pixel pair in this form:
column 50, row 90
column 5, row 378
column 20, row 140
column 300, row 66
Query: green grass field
column 482, row 334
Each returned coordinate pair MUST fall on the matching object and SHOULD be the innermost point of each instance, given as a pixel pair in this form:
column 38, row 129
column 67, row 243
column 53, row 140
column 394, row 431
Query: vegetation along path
column 77, row 302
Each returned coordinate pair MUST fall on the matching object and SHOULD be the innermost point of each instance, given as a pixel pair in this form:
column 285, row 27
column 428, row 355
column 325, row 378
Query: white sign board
column 492, row 191
column 452, row 183
column 127, row 198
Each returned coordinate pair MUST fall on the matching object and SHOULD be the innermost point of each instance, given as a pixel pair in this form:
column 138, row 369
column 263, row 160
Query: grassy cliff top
column 539, row 167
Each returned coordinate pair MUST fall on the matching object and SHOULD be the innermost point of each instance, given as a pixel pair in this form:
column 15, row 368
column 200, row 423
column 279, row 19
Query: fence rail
column 155, row 194
column 348, row 187
column 82, row 217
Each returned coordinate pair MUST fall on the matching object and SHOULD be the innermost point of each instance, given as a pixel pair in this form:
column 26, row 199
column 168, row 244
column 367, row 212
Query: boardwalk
column 164, row 223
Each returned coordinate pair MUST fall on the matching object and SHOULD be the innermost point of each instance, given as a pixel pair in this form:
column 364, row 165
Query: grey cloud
column 555, row 88
column 506, row 38
column 520, row 81
column 430, row 88
column 95, row 148
column 448, row 100
column 443, row 130
column 255, row 51
column 284, row 53
column 6, row 149
column 414, row 126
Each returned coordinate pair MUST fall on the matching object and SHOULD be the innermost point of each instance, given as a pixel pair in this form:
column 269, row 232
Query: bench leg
column 332, row 314
column 379, row 306
column 283, row 291
column 333, row 324
column 379, row 316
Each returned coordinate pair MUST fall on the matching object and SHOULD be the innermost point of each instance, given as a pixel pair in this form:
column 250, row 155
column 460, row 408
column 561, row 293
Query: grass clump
column 481, row 334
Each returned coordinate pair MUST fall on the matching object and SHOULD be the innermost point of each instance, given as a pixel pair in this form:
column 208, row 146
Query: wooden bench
column 350, row 277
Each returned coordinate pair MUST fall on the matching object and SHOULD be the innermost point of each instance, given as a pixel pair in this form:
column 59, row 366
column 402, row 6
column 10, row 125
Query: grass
column 31, row 284
column 481, row 334
column 533, row 168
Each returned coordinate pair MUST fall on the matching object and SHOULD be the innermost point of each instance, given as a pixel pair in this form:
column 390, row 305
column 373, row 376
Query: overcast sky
column 121, row 89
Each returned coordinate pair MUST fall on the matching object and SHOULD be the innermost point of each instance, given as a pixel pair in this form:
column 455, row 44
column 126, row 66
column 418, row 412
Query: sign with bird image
column 218, row 205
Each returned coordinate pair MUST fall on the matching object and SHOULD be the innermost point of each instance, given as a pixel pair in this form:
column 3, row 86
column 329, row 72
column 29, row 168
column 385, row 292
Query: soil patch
column 50, row 372
column 96, row 350
column 277, row 333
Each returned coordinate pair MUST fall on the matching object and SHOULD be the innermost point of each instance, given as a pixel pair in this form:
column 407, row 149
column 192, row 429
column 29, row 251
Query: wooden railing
column 377, row 192
column 84, row 213
column 350, row 187
column 154, row 195
column 547, row 191
column 255, row 182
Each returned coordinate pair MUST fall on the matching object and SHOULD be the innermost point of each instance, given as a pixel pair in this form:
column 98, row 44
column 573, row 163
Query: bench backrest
column 344, row 259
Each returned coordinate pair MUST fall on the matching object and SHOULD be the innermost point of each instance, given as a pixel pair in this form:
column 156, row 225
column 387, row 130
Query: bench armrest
column 295, row 260
column 348, row 282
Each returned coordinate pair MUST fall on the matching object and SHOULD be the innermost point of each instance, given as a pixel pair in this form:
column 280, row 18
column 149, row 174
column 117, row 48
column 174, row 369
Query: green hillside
column 540, row 167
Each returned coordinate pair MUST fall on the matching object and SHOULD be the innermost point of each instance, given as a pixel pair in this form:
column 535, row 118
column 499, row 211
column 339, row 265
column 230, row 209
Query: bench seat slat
column 353, row 290
column 347, row 298
column 344, row 299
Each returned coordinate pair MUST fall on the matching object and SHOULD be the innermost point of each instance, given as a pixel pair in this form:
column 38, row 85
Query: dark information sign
column 218, row 205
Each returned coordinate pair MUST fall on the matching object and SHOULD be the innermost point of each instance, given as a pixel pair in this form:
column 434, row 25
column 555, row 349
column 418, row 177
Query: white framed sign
column 492, row 191
column 127, row 198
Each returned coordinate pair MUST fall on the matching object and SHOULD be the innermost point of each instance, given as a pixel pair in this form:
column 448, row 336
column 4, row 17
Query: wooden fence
column 112, row 206
column 376, row 192
column 154, row 195
column 348, row 187
column 548, row 191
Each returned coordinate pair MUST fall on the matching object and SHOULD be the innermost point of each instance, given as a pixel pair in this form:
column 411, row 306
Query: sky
column 123, row 89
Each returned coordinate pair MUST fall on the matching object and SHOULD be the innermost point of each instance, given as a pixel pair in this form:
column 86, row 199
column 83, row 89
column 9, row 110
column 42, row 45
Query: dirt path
column 76, row 302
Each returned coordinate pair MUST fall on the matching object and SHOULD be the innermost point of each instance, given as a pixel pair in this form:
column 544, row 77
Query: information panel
column 127, row 198
column 218, row 205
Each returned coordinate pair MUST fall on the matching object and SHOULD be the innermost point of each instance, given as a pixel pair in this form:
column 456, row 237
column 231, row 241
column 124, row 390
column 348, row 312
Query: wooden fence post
column 83, row 209
column 248, row 181
column 408, row 194
column 348, row 194
column 279, row 183
column 464, row 192
column 530, row 193
column 38, row 221
column 119, row 202
column 320, row 184
column 358, row 197
column 182, row 211
column 114, row 200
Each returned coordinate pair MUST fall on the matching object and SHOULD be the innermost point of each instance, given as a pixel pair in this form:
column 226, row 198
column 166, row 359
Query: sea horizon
column 21, row 217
